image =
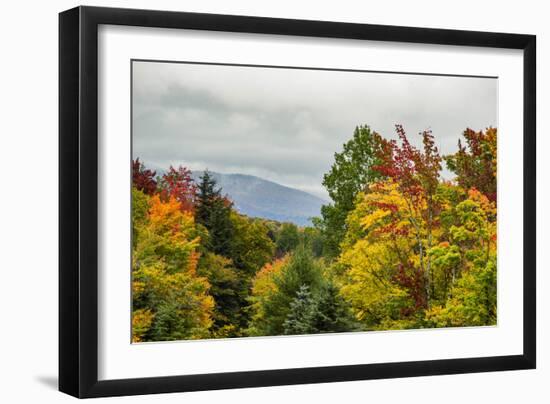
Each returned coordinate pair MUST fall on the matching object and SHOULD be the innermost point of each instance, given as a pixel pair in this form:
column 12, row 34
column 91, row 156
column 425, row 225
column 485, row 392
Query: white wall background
column 28, row 200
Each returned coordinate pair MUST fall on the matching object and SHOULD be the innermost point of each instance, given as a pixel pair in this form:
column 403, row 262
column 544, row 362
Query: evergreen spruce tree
column 302, row 269
column 213, row 212
column 207, row 194
column 318, row 312
column 303, row 314
column 334, row 313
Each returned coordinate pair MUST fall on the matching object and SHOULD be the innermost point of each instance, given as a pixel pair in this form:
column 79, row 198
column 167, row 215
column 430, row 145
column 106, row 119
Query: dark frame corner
column 78, row 180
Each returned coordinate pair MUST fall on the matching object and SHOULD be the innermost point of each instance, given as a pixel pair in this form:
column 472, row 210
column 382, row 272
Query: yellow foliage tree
column 263, row 287
column 471, row 254
column 382, row 278
column 170, row 300
column 387, row 252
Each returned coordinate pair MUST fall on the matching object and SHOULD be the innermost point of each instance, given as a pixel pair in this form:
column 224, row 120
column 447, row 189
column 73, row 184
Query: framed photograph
column 249, row 201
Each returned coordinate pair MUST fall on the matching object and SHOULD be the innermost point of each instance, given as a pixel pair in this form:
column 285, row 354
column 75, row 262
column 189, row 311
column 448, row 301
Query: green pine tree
column 303, row 314
column 302, row 269
column 213, row 212
column 318, row 312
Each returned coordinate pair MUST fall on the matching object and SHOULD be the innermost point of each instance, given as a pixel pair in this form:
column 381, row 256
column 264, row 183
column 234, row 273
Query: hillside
column 257, row 197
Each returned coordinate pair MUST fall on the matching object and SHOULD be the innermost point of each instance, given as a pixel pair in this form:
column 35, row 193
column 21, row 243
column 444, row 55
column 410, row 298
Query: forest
column 398, row 247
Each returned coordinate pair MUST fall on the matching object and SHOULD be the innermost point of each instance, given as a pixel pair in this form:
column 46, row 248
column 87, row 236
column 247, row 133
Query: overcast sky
column 284, row 125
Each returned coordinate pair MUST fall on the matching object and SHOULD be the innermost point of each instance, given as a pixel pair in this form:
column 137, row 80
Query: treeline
column 195, row 259
column 410, row 250
column 398, row 248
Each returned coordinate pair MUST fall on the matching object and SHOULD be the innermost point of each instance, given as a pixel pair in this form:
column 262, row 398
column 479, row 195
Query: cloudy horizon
column 284, row 125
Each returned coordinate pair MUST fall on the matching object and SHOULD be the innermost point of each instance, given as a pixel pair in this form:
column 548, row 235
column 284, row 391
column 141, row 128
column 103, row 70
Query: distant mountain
column 256, row 197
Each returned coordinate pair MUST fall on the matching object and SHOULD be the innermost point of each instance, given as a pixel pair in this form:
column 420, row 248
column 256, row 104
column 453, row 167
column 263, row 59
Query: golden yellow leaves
column 141, row 321
column 170, row 301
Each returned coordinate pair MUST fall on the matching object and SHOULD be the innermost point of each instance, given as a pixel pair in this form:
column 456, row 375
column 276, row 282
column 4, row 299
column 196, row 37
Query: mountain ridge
column 257, row 197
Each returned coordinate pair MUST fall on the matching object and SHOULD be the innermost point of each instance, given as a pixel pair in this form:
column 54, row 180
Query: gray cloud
column 285, row 124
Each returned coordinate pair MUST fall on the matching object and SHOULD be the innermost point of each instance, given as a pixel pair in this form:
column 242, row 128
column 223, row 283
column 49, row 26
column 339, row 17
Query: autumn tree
column 397, row 248
column 416, row 174
column 393, row 240
column 140, row 212
column 263, row 287
column 475, row 164
column 381, row 277
column 143, row 179
column 178, row 184
column 170, row 299
column 470, row 260
column 473, row 299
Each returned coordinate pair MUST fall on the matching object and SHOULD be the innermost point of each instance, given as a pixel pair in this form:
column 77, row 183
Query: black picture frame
column 78, row 201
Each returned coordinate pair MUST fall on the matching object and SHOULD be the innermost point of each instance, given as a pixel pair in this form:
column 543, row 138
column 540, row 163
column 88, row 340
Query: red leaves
column 413, row 280
column 416, row 174
column 385, row 206
column 176, row 183
column 180, row 185
column 415, row 171
column 143, row 179
column 475, row 164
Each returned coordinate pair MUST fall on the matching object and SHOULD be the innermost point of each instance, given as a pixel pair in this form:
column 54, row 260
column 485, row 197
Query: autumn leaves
column 397, row 248
column 421, row 252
